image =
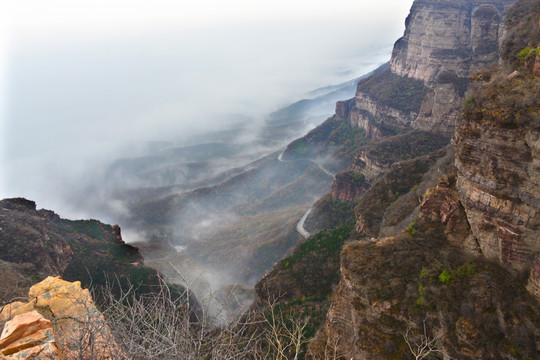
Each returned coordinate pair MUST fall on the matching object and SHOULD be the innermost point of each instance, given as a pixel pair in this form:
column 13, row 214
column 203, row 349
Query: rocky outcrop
column 349, row 186
column 497, row 157
column 533, row 285
column 60, row 318
column 401, row 182
column 376, row 119
column 369, row 166
column 376, row 158
column 442, row 204
column 29, row 336
column 24, row 237
column 37, row 243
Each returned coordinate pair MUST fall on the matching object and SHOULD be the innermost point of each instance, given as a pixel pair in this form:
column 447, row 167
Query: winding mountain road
column 300, row 225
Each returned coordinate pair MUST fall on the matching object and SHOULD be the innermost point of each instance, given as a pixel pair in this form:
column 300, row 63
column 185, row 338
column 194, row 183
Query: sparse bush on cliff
column 402, row 93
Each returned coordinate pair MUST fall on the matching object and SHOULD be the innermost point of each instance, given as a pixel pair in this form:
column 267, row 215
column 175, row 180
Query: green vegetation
column 411, row 229
column 523, row 31
column 445, row 277
column 428, row 280
column 466, row 270
column 351, row 177
column 92, row 228
column 304, row 281
column 402, row 93
column 312, row 270
column 406, row 146
column 326, row 242
column 397, row 182
column 327, row 213
column 503, row 101
column 337, row 138
column 526, row 54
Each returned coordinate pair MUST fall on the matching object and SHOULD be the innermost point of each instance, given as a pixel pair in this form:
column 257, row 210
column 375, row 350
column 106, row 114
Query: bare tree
column 159, row 326
column 284, row 333
column 422, row 345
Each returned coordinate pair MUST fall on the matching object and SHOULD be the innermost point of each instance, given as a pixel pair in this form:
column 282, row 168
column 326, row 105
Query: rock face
column 349, row 186
column 424, row 87
column 29, row 336
column 59, row 319
column 457, row 274
column 498, row 150
column 460, row 36
column 498, row 184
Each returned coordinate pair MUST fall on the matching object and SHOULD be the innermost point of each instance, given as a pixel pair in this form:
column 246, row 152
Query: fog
column 85, row 85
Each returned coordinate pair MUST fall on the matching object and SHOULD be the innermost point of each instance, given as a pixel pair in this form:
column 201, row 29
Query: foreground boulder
column 29, row 336
column 60, row 319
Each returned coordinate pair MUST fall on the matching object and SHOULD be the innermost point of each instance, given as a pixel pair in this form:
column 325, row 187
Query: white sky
column 119, row 14
column 79, row 77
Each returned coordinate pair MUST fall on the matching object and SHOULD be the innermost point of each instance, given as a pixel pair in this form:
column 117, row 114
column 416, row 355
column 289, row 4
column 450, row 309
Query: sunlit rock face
column 60, row 320
column 29, row 336
column 445, row 42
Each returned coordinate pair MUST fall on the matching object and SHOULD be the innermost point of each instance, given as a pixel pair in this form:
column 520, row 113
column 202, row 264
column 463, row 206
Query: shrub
column 445, row 277
column 411, row 229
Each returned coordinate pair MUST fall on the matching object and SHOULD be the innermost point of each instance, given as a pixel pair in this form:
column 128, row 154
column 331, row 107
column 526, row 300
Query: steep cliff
column 459, row 278
column 424, row 87
column 498, row 148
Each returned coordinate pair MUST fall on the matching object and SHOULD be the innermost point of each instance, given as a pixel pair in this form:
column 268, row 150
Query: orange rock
column 28, row 336
column 77, row 322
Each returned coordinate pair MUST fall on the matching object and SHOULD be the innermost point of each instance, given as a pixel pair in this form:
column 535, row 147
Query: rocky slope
column 428, row 283
column 423, row 88
column 35, row 244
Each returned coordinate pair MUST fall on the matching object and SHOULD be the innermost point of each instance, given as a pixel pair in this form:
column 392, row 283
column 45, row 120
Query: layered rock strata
column 444, row 42
column 349, row 186
column 29, row 336
column 461, row 36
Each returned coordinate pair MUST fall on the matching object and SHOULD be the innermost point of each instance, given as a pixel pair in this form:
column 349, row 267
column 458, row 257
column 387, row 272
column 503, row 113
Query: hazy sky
column 83, row 78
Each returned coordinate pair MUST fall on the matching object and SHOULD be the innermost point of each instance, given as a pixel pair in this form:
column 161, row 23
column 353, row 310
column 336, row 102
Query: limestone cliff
column 444, row 42
column 424, row 85
column 498, row 151
column 498, row 185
